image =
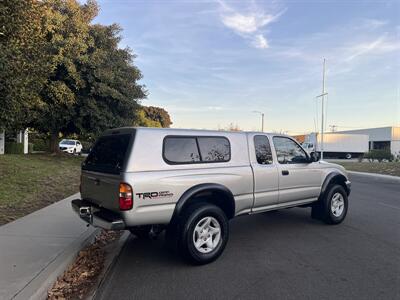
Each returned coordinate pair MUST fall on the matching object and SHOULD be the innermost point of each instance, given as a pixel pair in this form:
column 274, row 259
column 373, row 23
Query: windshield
column 67, row 142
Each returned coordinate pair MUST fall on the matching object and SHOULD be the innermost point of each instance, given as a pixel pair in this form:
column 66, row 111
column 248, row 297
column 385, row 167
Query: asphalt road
column 280, row 255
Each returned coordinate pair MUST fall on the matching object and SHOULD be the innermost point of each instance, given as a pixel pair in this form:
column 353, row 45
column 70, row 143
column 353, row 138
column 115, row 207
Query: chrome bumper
column 97, row 217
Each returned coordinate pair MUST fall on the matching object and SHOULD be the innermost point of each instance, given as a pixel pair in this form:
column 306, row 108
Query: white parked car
column 70, row 146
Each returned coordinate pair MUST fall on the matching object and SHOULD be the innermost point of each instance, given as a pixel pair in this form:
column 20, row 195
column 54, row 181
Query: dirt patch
column 82, row 275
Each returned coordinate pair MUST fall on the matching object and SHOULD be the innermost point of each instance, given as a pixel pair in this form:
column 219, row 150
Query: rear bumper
column 96, row 216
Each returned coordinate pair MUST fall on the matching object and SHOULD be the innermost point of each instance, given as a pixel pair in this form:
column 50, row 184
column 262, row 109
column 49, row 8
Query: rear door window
column 263, row 150
column 108, row 154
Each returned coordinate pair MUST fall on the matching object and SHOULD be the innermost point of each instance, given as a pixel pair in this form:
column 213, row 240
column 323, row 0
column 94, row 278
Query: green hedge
column 14, row 148
column 379, row 155
column 17, row 148
column 41, row 145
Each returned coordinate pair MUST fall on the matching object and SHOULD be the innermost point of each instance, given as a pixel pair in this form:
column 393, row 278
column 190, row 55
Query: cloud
column 248, row 25
column 260, row 42
column 373, row 23
column 378, row 46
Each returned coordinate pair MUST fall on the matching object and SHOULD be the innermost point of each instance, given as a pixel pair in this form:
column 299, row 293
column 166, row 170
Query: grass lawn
column 387, row 168
column 30, row 182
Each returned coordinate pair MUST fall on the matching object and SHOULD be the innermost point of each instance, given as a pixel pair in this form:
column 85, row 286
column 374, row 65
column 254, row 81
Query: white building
column 381, row 138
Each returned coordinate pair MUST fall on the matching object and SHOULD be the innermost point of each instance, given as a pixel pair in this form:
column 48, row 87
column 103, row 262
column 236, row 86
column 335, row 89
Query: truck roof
column 183, row 131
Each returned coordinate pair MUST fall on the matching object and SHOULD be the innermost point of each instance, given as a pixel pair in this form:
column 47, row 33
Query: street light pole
column 262, row 119
column 322, row 96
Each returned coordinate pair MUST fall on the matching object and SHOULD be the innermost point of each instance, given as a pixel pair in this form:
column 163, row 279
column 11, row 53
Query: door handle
column 285, row 172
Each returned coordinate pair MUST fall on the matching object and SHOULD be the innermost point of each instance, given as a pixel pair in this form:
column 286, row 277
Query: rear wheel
column 348, row 156
column 141, row 232
column 202, row 233
column 332, row 208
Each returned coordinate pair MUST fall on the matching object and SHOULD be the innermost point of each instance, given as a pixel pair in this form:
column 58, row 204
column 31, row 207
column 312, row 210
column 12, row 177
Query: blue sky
column 211, row 63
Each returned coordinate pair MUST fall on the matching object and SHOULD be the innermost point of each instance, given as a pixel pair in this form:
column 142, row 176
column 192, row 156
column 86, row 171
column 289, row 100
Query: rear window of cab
column 196, row 149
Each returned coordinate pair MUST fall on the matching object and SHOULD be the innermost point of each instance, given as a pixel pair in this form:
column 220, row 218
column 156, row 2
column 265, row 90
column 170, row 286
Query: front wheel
column 203, row 233
column 332, row 208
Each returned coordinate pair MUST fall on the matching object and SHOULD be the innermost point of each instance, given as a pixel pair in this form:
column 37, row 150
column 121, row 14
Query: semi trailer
column 337, row 145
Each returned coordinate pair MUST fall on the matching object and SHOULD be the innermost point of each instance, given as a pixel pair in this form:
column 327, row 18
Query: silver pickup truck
column 191, row 182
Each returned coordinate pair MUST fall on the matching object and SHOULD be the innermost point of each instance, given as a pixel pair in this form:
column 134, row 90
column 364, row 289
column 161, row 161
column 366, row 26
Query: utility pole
column 262, row 119
column 322, row 96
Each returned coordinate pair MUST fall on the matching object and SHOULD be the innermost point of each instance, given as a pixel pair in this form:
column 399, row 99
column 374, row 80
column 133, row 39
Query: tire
column 348, row 156
column 207, row 225
column 333, row 207
column 141, row 232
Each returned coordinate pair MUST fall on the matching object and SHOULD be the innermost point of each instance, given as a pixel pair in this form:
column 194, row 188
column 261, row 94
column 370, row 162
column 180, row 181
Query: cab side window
column 196, row 149
column 181, row 150
column 289, row 152
column 263, row 150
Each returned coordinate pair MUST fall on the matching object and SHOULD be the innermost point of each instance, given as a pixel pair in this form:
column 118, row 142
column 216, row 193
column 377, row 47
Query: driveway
column 280, row 255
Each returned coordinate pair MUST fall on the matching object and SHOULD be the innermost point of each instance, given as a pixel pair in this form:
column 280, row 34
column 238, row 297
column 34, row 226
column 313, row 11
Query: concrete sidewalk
column 35, row 249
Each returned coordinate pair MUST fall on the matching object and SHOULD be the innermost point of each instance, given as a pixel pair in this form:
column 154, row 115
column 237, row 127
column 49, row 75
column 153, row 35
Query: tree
column 68, row 25
column 143, row 121
column 60, row 74
column 231, row 127
column 68, row 39
column 24, row 62
column 158, row 114
column 110, row 94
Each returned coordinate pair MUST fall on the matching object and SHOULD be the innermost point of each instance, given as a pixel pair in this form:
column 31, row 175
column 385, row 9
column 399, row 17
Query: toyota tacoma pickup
column 192, row 182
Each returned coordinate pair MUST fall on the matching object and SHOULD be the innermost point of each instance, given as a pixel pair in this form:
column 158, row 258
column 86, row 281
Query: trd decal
column 153, row 195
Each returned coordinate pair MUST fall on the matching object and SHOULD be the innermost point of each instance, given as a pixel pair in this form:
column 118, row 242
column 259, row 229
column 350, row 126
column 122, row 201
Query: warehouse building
column 381, row 138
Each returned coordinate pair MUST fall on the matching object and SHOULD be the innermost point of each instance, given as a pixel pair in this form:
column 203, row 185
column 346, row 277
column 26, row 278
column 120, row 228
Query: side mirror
column 314, row 156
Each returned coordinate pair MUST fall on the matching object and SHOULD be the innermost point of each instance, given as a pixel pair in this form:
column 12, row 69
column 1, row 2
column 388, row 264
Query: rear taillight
column 125, row 196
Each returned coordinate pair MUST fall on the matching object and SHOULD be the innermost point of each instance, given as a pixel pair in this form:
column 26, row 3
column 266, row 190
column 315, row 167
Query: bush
column 17, row 148
column 14, row 148
column 86, row 146
column 41, row 145
column 379, row 155
column 30, row 147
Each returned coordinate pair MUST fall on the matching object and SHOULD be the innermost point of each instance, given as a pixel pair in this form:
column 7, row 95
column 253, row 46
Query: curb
column 391, row 177
column 38, row 287
column 113, row 254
